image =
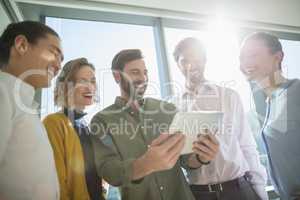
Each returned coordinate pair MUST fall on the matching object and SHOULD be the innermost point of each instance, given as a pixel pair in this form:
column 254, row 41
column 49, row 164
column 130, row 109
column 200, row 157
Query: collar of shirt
column 205, row 88
column 23, row 93
column 122, row 103
column 281, row 88
column 73, row 114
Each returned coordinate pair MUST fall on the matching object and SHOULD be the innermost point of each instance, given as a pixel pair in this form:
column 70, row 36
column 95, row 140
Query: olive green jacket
column 121, row 135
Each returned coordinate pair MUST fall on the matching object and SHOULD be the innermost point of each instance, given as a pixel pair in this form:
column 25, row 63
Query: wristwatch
column 200, row 161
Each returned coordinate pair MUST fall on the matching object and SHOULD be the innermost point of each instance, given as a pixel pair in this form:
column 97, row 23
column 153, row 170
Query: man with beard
column 132, row 147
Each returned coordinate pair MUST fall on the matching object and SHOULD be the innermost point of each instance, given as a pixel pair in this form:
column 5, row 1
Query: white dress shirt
column 27, row 167
column 238, row 151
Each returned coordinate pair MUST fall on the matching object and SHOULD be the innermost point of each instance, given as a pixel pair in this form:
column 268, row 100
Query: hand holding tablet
column 206, row 148
column 164, row 151
column 194, row 123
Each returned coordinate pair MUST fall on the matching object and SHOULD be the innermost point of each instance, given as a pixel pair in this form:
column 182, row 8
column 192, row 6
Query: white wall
column 4, row 19
column 284, row 12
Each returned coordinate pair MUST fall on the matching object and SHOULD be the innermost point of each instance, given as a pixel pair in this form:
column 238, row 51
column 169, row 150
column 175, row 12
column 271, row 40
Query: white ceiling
column 285, row 12
column 278, row 12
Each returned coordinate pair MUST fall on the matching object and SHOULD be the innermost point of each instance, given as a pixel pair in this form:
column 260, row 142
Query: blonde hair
column 67, row 76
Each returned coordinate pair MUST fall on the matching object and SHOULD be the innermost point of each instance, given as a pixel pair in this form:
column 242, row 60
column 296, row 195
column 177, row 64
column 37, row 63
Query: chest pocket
column 127, row 138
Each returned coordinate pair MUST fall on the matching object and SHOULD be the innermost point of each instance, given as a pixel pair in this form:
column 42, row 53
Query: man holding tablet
column 132, row 147
column 236, row 172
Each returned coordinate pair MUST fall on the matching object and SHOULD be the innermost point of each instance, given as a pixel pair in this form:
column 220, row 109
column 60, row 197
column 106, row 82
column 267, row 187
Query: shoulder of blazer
column 60, row 120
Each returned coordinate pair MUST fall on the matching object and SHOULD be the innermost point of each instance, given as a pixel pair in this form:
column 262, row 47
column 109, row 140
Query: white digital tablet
column 193, row 123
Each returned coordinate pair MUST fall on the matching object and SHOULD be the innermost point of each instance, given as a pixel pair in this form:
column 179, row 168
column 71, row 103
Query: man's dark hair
column 125, row 56
column 32, row 30
column 187, row 43
column 271, row 41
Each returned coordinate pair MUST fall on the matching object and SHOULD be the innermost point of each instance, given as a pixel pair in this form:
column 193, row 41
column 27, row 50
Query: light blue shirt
column 281, row 136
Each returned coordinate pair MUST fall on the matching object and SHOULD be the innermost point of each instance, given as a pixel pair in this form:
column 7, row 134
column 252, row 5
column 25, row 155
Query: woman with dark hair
column 69, row 135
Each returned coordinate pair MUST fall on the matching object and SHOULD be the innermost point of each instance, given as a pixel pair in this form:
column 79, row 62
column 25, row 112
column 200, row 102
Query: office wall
column 284, row 12
column 4, row 19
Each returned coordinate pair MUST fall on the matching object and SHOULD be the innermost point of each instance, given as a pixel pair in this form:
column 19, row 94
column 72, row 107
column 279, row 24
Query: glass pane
column 291, row 61
column 99, row 42
column 222, row 60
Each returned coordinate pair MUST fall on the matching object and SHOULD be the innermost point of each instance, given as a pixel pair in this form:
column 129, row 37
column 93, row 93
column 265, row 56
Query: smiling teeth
column 88, row 95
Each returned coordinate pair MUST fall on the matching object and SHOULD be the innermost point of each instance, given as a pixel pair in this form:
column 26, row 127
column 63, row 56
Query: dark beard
column 130, row 90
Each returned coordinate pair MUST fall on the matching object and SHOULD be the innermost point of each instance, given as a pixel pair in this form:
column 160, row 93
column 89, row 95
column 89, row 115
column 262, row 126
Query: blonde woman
column 69, row 136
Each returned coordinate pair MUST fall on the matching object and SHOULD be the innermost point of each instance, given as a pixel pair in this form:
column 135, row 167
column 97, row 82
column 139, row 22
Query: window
column 222, row 59
column 99, row 42
column 291, row 61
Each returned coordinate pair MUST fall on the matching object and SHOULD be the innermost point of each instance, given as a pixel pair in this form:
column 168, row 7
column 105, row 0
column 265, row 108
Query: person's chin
column 88, row 102
column 194, row 80
column 250, row 78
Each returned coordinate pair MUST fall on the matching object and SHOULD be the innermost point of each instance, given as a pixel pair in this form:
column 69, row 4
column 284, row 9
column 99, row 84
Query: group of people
column 128, row 144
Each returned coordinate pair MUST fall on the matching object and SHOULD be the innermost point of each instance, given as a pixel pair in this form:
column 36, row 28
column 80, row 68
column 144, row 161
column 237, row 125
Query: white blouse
column 27, row 167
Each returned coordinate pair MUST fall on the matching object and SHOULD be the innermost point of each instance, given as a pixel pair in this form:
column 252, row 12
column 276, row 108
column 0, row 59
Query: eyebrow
column 137, row 69
column 83, row 78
